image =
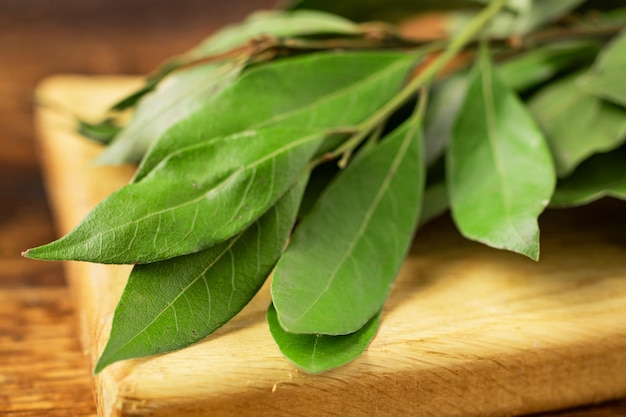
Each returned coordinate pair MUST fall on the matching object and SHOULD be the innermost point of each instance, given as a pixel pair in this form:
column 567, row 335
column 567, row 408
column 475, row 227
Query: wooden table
column 42, row 369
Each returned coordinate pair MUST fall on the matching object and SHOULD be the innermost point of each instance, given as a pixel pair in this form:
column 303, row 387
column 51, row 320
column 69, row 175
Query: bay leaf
column 320, row 177
column 540, row 64
column 275, row 22
column 100, row 132
column 183, row 207
column 152, row 80
column 171, row 304
column 296, row 23
column 499, row 170
column 320, row 90
column 614, row 16
column 344, row 255
column 376, row 10
column 316, row 353
column 519, row 17
column 576, row 124
column 176, row 98
column 443, row 106
column 601, row 175
column 519, row 73
column 435, row 201
column 606, row 78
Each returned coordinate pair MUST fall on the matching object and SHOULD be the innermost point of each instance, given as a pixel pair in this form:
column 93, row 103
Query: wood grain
column 467, row 330
column 43, row 371
column 42, row 368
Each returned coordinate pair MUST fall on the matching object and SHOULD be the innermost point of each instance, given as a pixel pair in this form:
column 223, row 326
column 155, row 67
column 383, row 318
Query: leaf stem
column 454, row 47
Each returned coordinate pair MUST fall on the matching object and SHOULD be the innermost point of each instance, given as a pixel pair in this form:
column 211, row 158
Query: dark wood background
column 42, row 369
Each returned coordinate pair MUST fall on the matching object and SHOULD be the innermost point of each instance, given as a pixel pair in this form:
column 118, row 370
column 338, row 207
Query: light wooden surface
column 467, row 330
column 42, row 369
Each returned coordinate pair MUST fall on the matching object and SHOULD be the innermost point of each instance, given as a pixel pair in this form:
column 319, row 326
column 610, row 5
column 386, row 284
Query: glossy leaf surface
column 315, row 353
column 599, row 176
column 313, row 91
column 499, row 170
column 576, row 123
column 171, row 304
column 343, row 257
column 184, row 207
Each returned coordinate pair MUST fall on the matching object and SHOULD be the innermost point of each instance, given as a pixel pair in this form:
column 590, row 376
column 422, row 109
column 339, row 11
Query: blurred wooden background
column 42, row 370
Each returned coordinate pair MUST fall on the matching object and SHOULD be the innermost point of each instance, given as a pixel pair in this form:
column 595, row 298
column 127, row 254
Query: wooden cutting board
column 467, row 330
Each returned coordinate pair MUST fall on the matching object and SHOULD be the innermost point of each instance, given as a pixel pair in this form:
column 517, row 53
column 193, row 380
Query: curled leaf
column 606, row 78
column 602, row 175
column 316, row 353
column 102, row 132
column 576, row 124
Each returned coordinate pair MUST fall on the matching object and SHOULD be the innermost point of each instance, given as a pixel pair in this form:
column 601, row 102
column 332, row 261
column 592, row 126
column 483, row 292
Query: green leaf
column 323, row 90
column 101, row 132
column 171, row 304
column 151, row 82
column 576, row 124
column 367, row 10
column 443, row 107
column 276, row 23
column 606, row 78
column 435, row 201
column 344, row 256
column 519, row 73
column 599, row 176
column 616, row 15
column 319, row 179
column 176, row 98
column 541, row 64
column 183, row 207
column 316, row 353
column 521, row 17
column 499, row 171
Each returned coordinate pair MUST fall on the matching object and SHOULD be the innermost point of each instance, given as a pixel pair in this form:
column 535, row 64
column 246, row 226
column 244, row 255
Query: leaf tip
column 43, row 253
column 33, row 253
column 101, row 364
column 107, row 357
column 531, row 250
column 98, row 368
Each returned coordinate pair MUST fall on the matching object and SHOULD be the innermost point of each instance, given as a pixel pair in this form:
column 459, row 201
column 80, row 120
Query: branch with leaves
column 306, row 146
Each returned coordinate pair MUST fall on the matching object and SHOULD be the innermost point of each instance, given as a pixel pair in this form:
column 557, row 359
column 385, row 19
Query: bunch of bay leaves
column 302, row 144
